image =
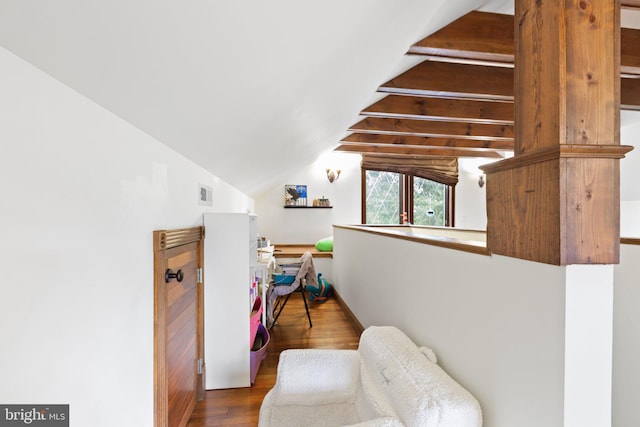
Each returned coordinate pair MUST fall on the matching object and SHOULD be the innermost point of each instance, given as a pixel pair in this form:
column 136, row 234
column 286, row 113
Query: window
column 388, row 195
column 429, row 202
column 382, row 197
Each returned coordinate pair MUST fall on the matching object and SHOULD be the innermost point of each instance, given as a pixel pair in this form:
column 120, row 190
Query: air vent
column 205, row 195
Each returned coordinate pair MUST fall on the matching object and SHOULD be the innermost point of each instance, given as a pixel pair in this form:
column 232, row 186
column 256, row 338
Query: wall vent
column 205, row 195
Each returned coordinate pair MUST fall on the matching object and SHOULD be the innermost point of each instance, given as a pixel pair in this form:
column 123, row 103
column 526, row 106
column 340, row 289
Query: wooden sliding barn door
column 178, row 324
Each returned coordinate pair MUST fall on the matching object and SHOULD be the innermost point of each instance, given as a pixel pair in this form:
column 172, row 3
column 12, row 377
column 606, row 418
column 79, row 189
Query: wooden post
column 557, row 200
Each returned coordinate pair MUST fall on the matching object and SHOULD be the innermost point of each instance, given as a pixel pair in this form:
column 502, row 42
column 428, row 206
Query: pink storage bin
column 257, row 356
column 254, row 321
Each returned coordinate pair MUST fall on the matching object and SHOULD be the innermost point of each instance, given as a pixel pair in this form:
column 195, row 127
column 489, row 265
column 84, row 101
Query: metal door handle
column 169, row 275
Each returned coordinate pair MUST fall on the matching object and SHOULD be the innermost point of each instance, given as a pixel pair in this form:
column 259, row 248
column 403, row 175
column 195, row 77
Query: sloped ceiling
column 250, row 90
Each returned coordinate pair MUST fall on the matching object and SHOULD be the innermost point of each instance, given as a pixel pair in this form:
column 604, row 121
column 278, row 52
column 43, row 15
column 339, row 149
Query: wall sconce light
column 331, row 175
column 481, row 181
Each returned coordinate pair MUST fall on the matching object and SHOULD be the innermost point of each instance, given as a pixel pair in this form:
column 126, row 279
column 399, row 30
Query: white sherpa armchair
column 388, row 382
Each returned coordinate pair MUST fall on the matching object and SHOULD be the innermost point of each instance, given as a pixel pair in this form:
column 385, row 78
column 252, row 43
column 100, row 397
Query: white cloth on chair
column 307, row 272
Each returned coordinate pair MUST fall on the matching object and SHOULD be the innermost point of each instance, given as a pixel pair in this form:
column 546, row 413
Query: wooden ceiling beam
column 630, row 4
column 417, row 151
column 476, row 82
column 438, row 129
column 630, row 94
column 488, row 38
column 450, row 80
column 476, row 36
column 630, row 52
column 462, row 110
column 425, row 141
column 460, row 103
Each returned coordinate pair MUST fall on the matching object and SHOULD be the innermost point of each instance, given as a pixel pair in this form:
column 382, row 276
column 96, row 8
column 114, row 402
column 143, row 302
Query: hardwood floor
column 332, row 328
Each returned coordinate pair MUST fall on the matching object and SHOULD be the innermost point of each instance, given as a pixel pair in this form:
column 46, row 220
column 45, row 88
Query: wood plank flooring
column 332, row 328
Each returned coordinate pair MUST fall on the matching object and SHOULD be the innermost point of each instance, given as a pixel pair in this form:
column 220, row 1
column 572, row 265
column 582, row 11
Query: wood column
column 557, row 201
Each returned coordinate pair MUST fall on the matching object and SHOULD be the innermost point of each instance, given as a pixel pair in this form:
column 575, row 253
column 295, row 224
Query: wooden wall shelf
column 308, row 207
column 296, row 250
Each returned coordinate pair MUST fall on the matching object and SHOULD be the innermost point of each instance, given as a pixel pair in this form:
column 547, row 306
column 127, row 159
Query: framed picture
column 295, row 195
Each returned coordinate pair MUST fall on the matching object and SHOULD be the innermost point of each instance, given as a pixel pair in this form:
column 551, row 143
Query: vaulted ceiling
column 253, row 91
column 459, row 100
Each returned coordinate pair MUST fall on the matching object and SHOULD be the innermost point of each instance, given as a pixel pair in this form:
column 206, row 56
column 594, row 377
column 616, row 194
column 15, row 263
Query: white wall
column 626, row 320
column 496, row 325
column 588, row 346
column 630, row 176
column 282, row 225
column 630, row 165
column 626, row 344
column 471, row 205
column 81, row 193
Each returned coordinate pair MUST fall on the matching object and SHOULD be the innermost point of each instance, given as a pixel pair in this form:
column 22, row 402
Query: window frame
column 405, row 201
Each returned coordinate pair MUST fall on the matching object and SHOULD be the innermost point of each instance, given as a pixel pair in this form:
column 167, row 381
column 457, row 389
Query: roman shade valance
column 439, row 169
